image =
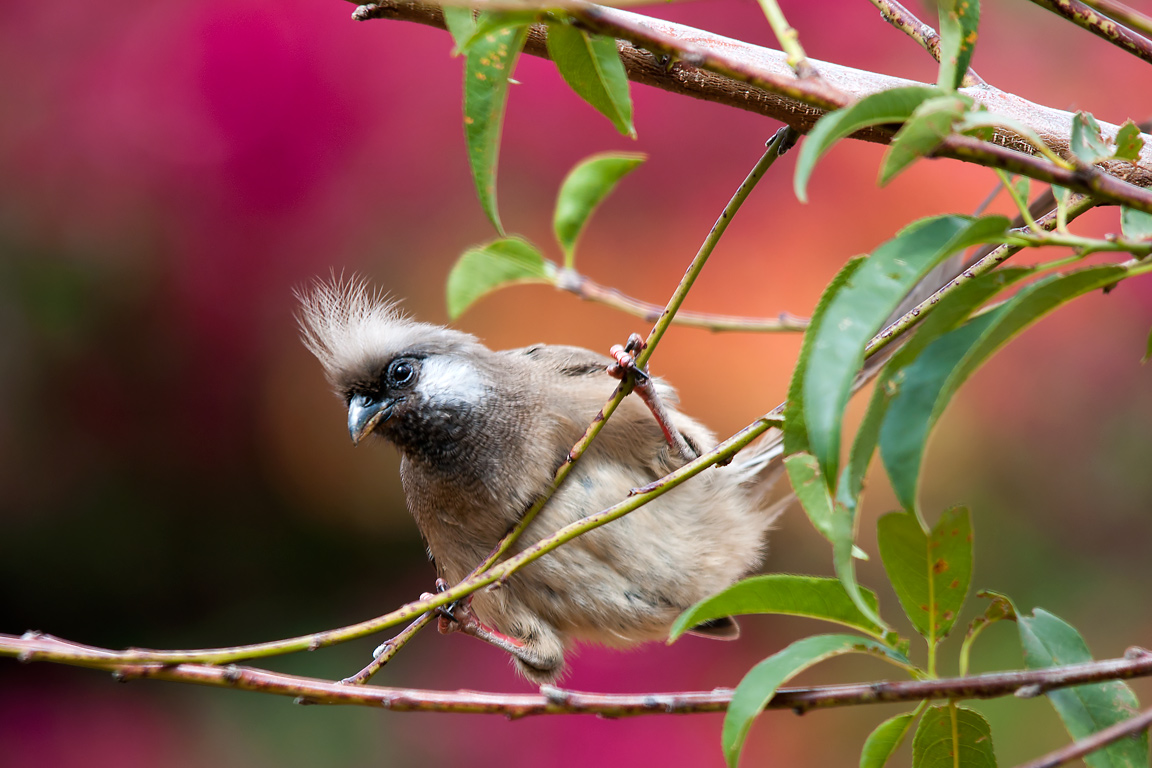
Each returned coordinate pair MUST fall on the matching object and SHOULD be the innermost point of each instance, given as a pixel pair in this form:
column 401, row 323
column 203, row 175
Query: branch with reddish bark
column 1086, row 17
column 1137, row 662
column 757, row 79
column 907, row 22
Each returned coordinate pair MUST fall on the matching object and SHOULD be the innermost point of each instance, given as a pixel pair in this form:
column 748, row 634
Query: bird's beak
column 364, row 413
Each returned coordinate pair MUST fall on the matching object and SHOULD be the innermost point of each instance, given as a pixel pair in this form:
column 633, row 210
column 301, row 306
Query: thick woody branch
column 739, row 74
column 33, row 647
column 1083, row 16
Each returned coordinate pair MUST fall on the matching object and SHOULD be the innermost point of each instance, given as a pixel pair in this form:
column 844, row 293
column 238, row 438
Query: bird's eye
column 401, row 372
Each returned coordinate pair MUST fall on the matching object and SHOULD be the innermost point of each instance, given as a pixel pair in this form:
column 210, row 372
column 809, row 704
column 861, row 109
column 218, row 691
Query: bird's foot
column 459, row 617
column 625, row 357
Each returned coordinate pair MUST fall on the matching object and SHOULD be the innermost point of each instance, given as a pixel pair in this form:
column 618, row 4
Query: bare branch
column 907, row 22
column 34, row 647
column 1083, row 16
column 584, row 287
column 1098, row 740
column 1123, row 14
column 759, row 79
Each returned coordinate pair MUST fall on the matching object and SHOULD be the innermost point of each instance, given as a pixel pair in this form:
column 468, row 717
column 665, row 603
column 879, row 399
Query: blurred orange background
column 174, row 472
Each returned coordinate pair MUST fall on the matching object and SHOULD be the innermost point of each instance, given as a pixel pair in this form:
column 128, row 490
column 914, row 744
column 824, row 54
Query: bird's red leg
column 459, row 617
column 625, row 357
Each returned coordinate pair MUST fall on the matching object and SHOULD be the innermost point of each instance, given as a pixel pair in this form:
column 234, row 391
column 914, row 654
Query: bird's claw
column 625, row 357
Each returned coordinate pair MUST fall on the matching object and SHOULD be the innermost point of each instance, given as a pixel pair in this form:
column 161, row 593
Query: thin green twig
column 789, row 40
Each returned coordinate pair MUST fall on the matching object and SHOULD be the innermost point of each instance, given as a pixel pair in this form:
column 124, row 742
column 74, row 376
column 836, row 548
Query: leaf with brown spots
column 930, row 572
column 491, row 58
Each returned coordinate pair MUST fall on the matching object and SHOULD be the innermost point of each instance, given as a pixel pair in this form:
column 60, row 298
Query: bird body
column 481, row 434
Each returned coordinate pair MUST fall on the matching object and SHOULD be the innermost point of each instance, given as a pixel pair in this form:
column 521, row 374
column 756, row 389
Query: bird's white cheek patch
column 450, row 379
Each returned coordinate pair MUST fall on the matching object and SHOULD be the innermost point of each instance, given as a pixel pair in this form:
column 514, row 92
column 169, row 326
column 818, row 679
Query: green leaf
column 950, row 312
column 951, row 736
column 1087, row 143
column 958, row 22
column 494, row 265
column 760, row 684
column 795, row 433
column 460, row 23
column 893, row 106
column 1136, row 225
column 860, row 307
column 591, row 65
column 1049, row 641
column 924, row 131
column 489, row 64
column 928, row 384
column 835, row 522
column 804, row 474
column 885, row 740
column 489, row 23
column 583, row 189
column 1129, row 142
column 782, row 593
column 930, row 573
column 1022, row 186
column 1148, row 349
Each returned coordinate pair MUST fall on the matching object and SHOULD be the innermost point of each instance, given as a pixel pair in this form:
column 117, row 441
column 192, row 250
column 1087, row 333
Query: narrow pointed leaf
column 951, row 736
column 893, row 106
column 1147, row 349
column 950, row 312
column 795, row 433
column 930, row 572
column 859, row 308
column 584, row 188
column 835, row 522
column 804, row 475
column 760, row 684
column 814, row 597
column 928, row 384
column 884, row 740
column 493, row 265
column 1087, row 143
column 1136, row 225
column 1129, row 142
column 1049, row 641
column 487, row 67
column 959, row 20
column 925, row 130
column 591, row 66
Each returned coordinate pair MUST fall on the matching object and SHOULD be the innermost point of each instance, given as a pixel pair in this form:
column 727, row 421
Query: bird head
column 414, row 383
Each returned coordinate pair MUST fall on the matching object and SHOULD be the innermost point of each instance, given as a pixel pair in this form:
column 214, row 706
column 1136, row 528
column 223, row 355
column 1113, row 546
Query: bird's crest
column 353, row 328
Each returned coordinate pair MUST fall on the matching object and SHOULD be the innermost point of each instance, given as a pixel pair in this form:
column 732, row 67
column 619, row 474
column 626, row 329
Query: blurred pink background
column 174, row 472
